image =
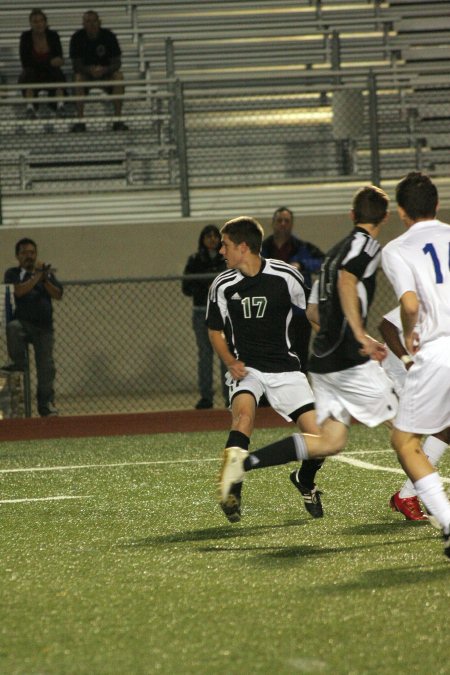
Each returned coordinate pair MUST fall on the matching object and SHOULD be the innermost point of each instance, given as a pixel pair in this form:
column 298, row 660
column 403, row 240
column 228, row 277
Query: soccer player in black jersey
column 250, row 307
column 347, row 380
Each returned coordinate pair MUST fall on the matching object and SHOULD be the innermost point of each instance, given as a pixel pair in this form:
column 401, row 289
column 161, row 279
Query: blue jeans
column 18, row 335
column 205, row 355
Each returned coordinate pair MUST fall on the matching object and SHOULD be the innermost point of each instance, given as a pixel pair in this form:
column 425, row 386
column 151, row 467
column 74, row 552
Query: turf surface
column 132, row 568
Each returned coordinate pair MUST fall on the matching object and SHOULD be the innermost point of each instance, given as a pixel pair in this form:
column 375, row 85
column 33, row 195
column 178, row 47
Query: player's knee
column 334, row 440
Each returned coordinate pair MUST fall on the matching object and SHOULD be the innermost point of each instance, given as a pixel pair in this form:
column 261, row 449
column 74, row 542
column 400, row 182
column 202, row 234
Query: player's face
column 231, row 252
column 27, row 256
column 282, row 223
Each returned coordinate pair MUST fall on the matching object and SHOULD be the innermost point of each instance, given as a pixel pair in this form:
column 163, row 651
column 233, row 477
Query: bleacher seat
column 258, row 82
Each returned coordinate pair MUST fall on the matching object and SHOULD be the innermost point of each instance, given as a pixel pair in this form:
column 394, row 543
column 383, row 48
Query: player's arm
column 391, row 337
column 348, row 296
column 235, row 367
column 312, row 314
column 312, row 309
column 409, row 312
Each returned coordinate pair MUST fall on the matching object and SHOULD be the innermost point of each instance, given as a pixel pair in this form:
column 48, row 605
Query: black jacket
column 26, row 49
column 201, row 263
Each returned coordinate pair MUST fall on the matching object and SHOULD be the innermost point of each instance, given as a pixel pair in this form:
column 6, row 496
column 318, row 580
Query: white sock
column 300, row 447
column 434, row 449
column 431, row 491
column 60, row 105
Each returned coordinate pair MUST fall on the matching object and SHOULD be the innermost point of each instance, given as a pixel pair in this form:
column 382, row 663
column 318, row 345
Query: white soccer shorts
column 285, row 392
column 425, row 399
column 363, row 392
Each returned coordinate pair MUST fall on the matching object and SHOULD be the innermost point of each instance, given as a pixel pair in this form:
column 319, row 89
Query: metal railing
column 315, row 126
column 41, row 155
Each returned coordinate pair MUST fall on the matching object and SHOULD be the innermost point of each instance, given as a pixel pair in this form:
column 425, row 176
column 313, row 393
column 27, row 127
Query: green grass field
column 115, row 558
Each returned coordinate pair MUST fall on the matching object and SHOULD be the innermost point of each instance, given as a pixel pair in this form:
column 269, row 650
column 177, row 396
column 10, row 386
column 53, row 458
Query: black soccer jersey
column 255, row 312
column 335, row 347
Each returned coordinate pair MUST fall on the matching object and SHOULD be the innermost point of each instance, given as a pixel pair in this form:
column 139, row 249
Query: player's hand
column 373, row 348
column 412, row 343
column 237, row 370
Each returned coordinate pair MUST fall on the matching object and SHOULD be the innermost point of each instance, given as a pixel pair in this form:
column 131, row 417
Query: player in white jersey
column 417, row 264
column 396, row 364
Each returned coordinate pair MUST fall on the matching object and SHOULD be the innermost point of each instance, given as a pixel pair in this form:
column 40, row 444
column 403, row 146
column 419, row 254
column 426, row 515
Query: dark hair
column 37, row 12
column 24, row 242
column 279, row 210
column 370, row 205
column 417, row 195
column 245, row 230
column 93, row 13
column 208, row 229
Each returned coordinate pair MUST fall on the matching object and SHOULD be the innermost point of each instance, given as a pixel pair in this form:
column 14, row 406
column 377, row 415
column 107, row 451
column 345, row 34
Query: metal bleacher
column 258, row 82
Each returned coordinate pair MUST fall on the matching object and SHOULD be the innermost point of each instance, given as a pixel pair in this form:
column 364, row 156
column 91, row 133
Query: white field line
column 74, row 467
column 44, row 499
column 104, row 466
column 345, row 458
column 372, row 467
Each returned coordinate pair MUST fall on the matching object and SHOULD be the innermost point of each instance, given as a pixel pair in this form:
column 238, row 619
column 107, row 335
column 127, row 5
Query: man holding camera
column 35, row 287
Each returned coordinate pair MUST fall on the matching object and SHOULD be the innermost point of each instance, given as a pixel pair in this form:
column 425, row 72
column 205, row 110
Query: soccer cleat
column 446, row 537
column 311, row 498
column 409, row 506
column 232, row 506
column 230, row 479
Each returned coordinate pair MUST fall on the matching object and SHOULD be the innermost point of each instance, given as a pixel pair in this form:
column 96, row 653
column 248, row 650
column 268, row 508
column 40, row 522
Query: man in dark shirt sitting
column 35, row 286
column 96, row 55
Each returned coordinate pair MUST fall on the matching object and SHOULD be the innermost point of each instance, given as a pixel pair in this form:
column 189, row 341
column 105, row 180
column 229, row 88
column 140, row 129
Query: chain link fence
column 127, row 345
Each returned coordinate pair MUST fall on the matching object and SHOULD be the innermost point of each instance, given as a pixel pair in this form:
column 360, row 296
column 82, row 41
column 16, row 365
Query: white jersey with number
column 419, row 261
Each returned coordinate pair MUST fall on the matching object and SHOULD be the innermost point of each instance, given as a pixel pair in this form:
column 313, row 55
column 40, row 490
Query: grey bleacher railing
column 42, row 155
column 260, row 101
column 127, row 345
column 222, row 134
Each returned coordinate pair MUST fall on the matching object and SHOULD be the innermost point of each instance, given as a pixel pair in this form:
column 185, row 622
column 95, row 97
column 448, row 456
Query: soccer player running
column 417, row 265
column 396, row 364
column 347, row 380
column 250, row 307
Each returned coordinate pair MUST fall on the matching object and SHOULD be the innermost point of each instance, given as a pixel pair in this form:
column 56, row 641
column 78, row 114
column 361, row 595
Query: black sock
column 236, row 439
column 280, row 452
column 308, row 470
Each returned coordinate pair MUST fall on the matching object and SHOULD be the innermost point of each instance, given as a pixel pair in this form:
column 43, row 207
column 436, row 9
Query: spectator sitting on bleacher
column 95, row 54
column 42, row 57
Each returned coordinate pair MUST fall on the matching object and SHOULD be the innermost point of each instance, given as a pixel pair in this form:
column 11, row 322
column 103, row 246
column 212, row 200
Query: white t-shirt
column 419, row 261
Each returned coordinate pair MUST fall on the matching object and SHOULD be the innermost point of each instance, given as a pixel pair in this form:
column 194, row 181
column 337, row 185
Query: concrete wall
column 117, row 251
